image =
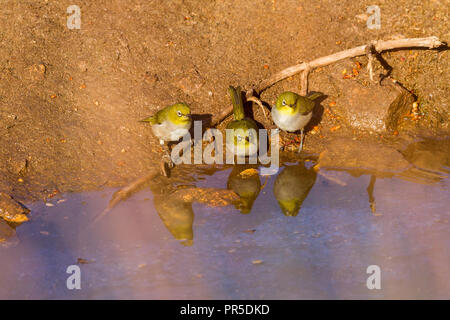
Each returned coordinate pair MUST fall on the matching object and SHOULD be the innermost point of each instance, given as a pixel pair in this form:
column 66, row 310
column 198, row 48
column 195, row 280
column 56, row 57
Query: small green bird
column 171, row 123
column 245, row 139
column 292, row 112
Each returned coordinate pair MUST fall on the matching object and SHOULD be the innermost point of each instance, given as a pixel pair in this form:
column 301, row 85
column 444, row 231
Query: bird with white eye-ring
column 170, row 124
column 292, row 112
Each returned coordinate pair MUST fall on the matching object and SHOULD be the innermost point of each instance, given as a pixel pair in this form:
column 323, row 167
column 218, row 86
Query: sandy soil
column 70, row 99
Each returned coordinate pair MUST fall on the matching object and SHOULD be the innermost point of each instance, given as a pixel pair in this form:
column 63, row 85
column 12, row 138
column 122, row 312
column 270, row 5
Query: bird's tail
column 238, row 104
column 314, row 95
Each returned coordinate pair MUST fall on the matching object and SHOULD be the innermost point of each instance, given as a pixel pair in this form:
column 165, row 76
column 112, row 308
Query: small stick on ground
column 222, row 116
column 370, row 49
column 304, row 80
column 258, row 102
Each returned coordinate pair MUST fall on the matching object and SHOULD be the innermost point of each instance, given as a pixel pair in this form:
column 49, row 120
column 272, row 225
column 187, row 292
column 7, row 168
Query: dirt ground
column 70, row 100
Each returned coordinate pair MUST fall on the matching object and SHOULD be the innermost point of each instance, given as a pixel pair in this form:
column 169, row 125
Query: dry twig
column 258, row 102
column 379, row 46
column 373, row 47
column 370, row 49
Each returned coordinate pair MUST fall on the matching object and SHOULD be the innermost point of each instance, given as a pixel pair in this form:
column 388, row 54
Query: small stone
column 151, row 78
column 82, row 65
column 82, row 261
column 41, row 68
column 257, row 261
column 190, row 83
column 372, row 107
column 37, row 72
column 11, row 210
column 362, row 17
column 18, row 166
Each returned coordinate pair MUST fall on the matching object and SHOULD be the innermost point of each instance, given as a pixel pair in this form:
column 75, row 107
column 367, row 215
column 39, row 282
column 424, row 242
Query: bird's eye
column 283, row 102
column 179, row 113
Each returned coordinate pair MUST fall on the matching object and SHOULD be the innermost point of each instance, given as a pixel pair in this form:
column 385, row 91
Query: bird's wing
column 306, row 105
column 314, row 95
column 157, row 118
column 151, row 120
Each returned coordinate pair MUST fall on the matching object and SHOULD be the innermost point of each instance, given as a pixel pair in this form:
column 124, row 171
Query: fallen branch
column 225, row 113
column 259, row 103
column 306, row 67
column 304, row 80
column 379, row 46
column 370, row 49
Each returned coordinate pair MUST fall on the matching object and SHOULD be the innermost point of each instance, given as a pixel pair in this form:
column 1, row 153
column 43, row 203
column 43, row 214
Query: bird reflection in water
column 178, row 217
column 292, row 186
column 245, row 182
column 173, row 200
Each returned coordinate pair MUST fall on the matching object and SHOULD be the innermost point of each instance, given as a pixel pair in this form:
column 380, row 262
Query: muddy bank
column 70, row 99
column 12, row 214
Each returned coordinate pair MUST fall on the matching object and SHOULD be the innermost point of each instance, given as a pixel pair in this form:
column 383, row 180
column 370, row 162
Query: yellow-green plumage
column 292, row 186
column 292, row 112
column 176, row 215
column 238, row 104
column 245, row 130
column 171, row 123
column 247, row 187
